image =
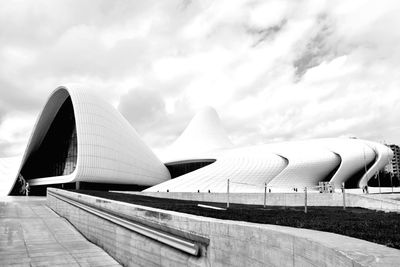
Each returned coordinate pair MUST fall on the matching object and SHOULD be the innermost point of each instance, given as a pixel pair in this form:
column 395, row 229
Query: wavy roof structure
column 281, row 166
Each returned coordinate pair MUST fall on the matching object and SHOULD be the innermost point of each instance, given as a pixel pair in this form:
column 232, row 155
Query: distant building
column 394, row 163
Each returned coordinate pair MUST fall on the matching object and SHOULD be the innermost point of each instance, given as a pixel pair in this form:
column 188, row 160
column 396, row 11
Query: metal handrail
column 162, row 237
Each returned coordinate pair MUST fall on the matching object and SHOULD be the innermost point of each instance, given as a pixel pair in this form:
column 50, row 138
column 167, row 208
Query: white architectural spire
column 203, row 134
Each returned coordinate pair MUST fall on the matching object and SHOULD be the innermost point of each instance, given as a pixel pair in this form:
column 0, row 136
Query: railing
column 155, row 234
column 322, row 188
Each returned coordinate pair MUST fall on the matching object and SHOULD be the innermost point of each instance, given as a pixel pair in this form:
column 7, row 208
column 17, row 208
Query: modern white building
column 80, row 138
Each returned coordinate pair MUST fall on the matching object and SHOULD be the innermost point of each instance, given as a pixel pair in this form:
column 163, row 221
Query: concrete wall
column 376, row 202
column 286, row 199
column 231, row 243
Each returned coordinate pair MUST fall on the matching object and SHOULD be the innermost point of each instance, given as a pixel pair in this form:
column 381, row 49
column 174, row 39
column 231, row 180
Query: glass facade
column 57, row 154
column 180, row 168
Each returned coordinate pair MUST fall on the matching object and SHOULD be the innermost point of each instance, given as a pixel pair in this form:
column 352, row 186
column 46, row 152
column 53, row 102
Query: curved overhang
column 40, row 129
column 108, row 148
column 196, row 160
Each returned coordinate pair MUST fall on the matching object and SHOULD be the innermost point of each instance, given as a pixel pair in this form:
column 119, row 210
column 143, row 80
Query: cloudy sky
column 273, row 70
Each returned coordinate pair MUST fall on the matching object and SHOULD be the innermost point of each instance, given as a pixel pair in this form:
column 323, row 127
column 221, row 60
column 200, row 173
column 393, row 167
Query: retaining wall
column 230, row 243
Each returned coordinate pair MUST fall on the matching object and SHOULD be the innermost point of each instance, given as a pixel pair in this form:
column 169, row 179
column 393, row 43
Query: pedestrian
column 27, row 188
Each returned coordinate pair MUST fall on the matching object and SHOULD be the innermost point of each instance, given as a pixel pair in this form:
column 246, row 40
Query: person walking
column 27, row 188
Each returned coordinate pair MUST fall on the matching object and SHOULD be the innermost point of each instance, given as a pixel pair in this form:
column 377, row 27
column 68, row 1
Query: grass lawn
column 375, row 226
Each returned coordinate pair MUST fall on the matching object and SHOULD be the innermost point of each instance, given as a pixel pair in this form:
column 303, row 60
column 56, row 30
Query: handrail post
column 265, row 195
column 227, row 191
column 305, row 199
column 391, row 181
column 344, row 196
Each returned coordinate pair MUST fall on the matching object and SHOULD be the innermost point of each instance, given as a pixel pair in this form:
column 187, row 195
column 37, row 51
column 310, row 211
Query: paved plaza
column 31, row 234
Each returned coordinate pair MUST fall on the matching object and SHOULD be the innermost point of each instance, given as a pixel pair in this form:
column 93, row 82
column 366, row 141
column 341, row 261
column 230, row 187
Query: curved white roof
column 109, row 149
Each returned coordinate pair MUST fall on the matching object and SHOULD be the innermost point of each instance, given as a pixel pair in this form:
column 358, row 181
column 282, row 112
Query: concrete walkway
column 31, row 234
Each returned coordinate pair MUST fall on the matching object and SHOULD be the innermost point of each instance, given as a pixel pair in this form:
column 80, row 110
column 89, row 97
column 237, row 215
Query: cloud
column 274, row 70
column 142, row 108
column 15, row 130
column 318, row 48
column 148, row 113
